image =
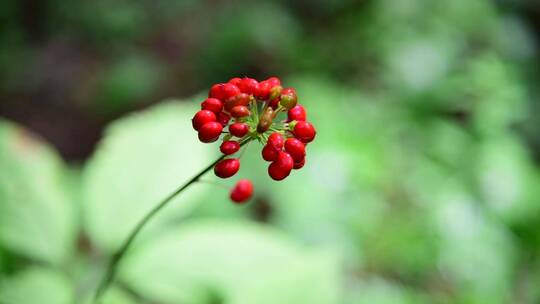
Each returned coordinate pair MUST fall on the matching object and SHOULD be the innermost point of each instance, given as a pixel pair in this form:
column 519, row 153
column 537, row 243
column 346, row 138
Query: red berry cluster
column 252, row 110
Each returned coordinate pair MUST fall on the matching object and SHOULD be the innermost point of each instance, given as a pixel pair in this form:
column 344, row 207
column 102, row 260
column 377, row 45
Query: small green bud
column 275, row 92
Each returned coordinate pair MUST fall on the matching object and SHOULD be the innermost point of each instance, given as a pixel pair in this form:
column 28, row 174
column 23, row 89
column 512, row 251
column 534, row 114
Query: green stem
column 117, row 257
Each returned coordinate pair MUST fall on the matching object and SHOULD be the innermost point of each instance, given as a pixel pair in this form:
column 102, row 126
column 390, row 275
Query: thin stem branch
column 117, row 257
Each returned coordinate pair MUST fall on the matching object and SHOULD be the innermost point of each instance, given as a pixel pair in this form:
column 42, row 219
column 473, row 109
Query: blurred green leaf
column 233, row 262
column 37, row 220
column 114, row 295
column 142, row 159
column 379, row 291
column 36, row 286
column 128, row 81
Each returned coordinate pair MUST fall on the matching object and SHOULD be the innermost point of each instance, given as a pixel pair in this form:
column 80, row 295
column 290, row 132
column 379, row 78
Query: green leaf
column 143, row 158
column 233, row 262
column 114, row 295
column 36, row 217
column 36, row 286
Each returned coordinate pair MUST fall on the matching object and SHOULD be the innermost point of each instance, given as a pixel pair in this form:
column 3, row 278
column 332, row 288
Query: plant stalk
column 117, row 257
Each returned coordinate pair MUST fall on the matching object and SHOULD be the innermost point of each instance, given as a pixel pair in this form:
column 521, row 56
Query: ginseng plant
column 248, row 110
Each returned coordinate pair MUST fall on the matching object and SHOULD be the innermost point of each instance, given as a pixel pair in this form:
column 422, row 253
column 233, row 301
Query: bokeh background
column 423, row 185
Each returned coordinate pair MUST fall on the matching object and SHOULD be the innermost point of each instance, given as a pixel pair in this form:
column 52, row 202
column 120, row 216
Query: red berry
column 215, row 91
column 287, row 91
column 223, row 91
column 276, row 140
column 263, row 90
column 235, row 81
column 269, row 153
column 300, row 164
column 242, row 191
column 227, row 167
column 281, row 167
column 241, row 99
column 273, row 81
column 223, row 118
column 248, row 85
column 212, row 104
column 210, row 132
column 230, row 90
column 239, row 129
column 240, row 111
column 274, row 103
column 297, row 113
column 202, row 117
column 304, row 131
column 229, row 147
column 296, row 149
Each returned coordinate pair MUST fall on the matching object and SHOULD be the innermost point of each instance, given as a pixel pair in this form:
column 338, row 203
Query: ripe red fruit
column 241, row 99
column 202, row 117
column 274, row 103
column 296, row 149
column 297, row 113
column 227, row 167
column 281, row 167
column 223, row 118
column 229, row 147
column 223, row 91
column 300, row 164
column 273, row 81
column 263, row 90
column 304, row 131
column 235, row 81
column 276, row 140
column 242, row 191
column 212, row 104
column 248, row 85
column 269, row 153
column 239, row 129
column 240, row 111
column 210, row 132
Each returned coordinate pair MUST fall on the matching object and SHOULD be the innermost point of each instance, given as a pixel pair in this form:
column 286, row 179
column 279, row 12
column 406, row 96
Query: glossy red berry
column 281, row 167
column 223, row 91
column 239, row 129
column 241, row 99
column 297, row 113
column 223, row 118
column 235, row 81
column 296, row 149
column 263, row 90
column 273, row 81
column 202, row 117
column 248, row 85
column 274, row 103
column 276, row 140
column 210, row 131
column 304, row 131
column 227, row 167
column 269, row 153
column 229, row 147
column 300, row 164
column 240, row 111
column 212, row 104
column 242, row 191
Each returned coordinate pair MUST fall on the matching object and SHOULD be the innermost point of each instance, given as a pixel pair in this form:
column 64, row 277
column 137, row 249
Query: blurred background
column 423, row 185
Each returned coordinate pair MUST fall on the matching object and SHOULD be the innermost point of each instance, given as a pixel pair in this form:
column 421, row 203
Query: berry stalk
column 117, row 257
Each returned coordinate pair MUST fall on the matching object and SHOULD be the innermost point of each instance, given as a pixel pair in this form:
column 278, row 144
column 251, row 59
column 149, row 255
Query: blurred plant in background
column 423, row 185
